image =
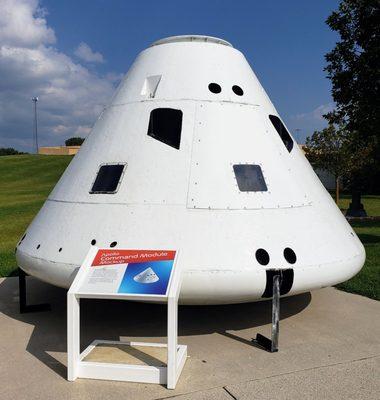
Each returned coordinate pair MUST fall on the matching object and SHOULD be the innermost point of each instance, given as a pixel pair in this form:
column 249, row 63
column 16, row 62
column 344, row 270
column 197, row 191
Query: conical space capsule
column 191, row 154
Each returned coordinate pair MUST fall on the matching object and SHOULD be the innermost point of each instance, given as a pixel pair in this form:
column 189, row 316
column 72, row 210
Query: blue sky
column 97, row 41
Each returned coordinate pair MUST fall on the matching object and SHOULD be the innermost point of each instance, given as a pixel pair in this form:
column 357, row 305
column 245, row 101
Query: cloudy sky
column 72, row 54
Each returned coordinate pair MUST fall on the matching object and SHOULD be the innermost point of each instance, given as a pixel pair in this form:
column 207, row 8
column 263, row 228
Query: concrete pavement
column 329, row 347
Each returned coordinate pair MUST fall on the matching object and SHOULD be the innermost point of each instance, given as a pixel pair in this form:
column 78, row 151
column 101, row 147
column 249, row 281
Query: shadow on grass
column 374, row 223
column 14, row 273
column 366, row 238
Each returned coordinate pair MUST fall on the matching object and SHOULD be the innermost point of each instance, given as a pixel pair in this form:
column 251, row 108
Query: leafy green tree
column 328, row 150
column 74, row 141
column 353, row 67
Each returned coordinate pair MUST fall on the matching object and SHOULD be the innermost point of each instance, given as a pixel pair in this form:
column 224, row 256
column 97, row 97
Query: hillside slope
column 25, row 182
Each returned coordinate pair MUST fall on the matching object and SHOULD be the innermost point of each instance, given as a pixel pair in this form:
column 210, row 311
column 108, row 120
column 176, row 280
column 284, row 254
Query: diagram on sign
column 147, row 276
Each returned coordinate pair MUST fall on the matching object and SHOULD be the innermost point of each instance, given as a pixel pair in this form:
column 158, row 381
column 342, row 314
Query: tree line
column 349, row 147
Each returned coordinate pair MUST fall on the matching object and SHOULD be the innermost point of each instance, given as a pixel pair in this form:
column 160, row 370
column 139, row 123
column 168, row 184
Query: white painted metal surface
column 188, row 198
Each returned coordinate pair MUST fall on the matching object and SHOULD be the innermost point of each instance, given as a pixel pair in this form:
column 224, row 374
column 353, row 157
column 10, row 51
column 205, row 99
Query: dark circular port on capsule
column 93, row 242
column 214, row 88
column 262, row 256
column 290, row 255
column 60, row 249
column 237, row 90
column 113, row 244
column 38, row 246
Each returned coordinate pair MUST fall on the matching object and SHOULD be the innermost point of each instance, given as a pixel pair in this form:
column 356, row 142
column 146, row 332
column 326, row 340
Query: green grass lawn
column 367, row 281
column 26, row 181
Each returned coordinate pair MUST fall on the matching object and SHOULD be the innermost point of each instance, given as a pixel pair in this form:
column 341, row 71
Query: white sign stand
column 78, row 368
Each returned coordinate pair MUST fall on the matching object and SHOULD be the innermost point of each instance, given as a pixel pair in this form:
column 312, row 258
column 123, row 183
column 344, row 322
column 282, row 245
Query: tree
column 353, row 68
column 74, row 141
column 328, row 150
column 9, row 151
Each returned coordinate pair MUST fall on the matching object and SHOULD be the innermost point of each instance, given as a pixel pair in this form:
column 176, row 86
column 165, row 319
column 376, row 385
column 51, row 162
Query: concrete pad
column 353, row 380
column 213, row 394
column 328, row 331
column 128, row 354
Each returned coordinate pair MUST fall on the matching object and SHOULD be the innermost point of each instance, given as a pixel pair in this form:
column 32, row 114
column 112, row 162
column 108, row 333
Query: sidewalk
column 329, row 347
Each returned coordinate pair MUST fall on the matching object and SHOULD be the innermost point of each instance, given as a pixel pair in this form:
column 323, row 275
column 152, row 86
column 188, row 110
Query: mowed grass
column 26, row 181
column 367, row 281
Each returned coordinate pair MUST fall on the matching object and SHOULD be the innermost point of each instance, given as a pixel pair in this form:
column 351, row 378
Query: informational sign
column 123, row 274
column 138, row 272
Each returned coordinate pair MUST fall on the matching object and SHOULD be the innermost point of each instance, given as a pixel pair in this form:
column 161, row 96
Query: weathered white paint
column 188, row 199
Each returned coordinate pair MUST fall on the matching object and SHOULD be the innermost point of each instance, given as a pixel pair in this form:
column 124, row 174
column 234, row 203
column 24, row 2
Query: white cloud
column 70, row 95
column 23, row 23
column 82, row 131
column 114, row 77
column 316, row 114
column 304, row 124
column 84, row 52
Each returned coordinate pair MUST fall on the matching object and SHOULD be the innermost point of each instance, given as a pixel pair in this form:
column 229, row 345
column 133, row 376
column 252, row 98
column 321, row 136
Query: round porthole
column 113, row 244
column 262, row 256
column 214, row 88
column 38, row 246
column 237, row 90
column 290, row 255
column 60, row 249
column 93, row 242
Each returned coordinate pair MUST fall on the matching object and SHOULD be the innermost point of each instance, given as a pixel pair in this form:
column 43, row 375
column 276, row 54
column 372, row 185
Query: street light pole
column 35, row 99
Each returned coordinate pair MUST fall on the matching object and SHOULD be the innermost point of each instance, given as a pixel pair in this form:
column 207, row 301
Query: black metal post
column 356, row 208
column 271, row 345
column 24, row 307
column 275, row 313
column 35, row 99
column 22, row 290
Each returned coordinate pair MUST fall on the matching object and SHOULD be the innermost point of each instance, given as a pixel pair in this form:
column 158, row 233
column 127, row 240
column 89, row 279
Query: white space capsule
column 191, row 154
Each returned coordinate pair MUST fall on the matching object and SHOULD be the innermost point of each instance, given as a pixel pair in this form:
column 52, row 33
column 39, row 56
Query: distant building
column 59, row 150
column 324, row 176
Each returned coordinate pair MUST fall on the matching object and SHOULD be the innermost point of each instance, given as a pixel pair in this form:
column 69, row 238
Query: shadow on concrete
column 112, row 319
